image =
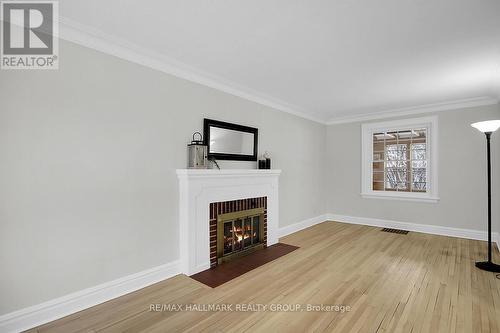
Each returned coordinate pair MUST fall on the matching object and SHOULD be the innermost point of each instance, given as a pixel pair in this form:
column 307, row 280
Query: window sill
column 390, row 196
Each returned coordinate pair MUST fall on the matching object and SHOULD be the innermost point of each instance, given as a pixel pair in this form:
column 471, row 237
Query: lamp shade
column 487, row 126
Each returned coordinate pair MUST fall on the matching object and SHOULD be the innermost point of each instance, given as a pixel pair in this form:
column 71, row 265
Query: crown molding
column 97, row 40
column 425, row 108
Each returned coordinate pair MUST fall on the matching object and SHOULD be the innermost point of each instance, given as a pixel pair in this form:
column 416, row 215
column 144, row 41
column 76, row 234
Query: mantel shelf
column 226, row 172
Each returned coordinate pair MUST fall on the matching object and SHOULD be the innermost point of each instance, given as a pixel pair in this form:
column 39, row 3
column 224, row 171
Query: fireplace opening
column 237, row 227
column 239, row 233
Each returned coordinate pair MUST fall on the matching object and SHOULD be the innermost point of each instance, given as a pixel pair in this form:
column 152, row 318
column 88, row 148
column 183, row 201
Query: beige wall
column 88, row 191
column 462, row 157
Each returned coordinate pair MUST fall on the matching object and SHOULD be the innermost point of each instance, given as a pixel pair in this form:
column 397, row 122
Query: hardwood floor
column 391, row 282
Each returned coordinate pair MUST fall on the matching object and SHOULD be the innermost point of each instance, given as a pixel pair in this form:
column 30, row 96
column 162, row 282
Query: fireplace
column 237, row 228
column 205, row 194
column 239, row 233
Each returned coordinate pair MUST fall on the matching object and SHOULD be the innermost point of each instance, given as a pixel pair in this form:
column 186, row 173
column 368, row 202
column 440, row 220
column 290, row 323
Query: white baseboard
column 290, row 229
column 60, row 307
column 424, row 228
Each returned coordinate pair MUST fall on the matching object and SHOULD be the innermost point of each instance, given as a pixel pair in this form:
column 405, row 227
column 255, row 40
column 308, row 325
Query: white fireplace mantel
column 199, row 188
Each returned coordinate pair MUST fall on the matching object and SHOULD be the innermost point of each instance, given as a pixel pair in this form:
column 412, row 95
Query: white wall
column 462, row 152
column 88, row 191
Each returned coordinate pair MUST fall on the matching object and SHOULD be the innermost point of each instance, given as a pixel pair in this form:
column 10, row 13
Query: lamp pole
column 488, row 265
column 488, row 153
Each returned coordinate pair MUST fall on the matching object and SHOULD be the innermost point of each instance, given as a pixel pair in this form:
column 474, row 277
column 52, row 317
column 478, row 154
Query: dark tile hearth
column 214, row 277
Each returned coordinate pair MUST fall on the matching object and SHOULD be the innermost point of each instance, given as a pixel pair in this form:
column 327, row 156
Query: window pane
column 419, row 164
column 403, row 187
column 378, row 141
column 419, row 187
column 378, row 186
column 396, row 152
column 379, row 137
column 418, row 155
column 420, row 135
column 378, row 166
column 418, row 151
column 391, row 138
column 390, row 186
column 378, row 176
column 396, row 164
column 418, row 146
column 378, row 156
column 406, row 134
column 405, row 137
column 378, row 146
column 395, row 176
column 404, row 143
column 419, row 175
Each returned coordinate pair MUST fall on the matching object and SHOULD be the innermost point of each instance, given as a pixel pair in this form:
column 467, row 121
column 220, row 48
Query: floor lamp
column 488, row 127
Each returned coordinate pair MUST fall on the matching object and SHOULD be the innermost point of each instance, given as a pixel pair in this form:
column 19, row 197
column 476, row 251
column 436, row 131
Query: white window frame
column 367, row 131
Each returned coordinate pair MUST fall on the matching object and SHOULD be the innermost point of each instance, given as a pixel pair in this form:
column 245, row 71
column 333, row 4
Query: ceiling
column 324, row 60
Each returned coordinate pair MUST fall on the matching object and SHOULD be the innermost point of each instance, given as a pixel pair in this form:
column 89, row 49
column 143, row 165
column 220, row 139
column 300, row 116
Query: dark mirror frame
column 207, row 123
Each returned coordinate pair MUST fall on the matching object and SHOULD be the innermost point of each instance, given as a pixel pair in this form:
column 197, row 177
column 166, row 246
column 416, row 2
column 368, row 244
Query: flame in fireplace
column 240, row 235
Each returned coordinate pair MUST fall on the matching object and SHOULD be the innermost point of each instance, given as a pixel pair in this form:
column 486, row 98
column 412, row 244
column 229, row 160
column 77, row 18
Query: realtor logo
column 28, row 38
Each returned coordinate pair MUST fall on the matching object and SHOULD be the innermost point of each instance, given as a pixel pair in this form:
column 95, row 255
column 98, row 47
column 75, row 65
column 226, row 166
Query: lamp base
column 488, row 266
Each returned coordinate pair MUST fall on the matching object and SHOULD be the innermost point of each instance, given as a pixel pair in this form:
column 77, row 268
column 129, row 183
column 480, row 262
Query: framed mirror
column 226, row 141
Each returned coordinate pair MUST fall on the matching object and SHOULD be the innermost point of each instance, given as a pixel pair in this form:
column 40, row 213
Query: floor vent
column 396, row 231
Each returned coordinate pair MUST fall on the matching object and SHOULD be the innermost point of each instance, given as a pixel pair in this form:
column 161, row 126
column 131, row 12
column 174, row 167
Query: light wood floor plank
column 392, row 283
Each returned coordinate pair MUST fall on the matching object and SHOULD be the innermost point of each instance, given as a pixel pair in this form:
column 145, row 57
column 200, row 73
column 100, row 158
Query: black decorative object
column 262, row 164
column 488, row 127
column 228, row 141
column 268, row 160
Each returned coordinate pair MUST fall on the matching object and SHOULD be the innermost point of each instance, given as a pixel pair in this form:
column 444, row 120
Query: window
column 399, row 159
